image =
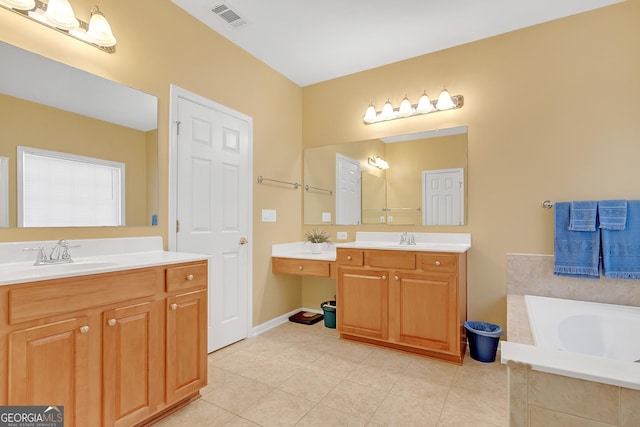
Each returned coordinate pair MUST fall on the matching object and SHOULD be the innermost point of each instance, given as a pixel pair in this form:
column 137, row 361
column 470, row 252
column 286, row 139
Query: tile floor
column 299, row 375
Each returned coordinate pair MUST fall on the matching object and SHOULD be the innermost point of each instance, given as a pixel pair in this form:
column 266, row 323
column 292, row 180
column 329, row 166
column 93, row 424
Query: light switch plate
column 326, row 216
column 341, row 235
column 268, row 215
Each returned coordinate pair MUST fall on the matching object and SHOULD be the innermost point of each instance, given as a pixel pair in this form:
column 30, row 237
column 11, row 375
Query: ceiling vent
column 225, row 12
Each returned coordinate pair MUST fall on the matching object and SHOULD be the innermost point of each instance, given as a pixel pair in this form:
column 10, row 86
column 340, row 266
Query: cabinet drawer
column 436, row 262
column 349, row 256
column 301, row 267
column 187, row 277
column 391, row 259
column 74, row 294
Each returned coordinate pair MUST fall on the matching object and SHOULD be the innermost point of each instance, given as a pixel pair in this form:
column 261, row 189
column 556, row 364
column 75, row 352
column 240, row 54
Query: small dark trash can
column 329, row 308
column 483, row 340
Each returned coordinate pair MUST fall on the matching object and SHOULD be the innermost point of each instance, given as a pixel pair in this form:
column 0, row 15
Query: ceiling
column 313, row 41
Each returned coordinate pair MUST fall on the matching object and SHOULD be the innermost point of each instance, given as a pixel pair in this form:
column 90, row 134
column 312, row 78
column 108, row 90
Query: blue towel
column 621, row 248
column 612, row 214
column 583, row 216
column 577, row 253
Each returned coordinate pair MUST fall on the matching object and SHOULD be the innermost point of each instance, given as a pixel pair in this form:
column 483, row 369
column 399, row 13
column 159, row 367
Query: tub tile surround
column 436, row 242
column 538, row 398
column 100, row 255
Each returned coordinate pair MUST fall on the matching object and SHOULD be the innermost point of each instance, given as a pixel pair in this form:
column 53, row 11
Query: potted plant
column 317, row 238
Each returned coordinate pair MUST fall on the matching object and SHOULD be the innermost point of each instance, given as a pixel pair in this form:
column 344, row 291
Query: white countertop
column 428, row 242
column 92, row 256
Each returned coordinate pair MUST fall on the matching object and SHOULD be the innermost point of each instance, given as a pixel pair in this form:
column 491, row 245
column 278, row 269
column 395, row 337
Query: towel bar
column 295, row 184
column 547, row 204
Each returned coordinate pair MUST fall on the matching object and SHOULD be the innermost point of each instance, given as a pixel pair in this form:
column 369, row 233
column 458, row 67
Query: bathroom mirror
column 390, row 196
column 51, row 106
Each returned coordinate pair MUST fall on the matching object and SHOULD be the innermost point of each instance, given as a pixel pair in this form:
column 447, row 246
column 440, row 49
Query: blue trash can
column 329, row 308
column 483, row 340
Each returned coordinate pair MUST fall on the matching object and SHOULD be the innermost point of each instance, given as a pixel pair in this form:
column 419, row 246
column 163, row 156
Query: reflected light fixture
column 59, row 15
column 378, row 162
column 424, row 106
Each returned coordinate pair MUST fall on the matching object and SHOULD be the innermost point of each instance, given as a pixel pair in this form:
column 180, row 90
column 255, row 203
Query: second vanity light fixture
column 59, row 15
column 424, row 106
column 378, row 162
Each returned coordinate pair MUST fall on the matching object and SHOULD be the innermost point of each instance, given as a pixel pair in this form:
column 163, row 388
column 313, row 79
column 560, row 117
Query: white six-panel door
column 443, row 197
column 213, row 207
column 348, row 191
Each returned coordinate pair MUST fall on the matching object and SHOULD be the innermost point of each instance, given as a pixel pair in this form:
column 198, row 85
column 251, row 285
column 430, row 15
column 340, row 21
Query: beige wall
column 158, row 45
column 552, row 111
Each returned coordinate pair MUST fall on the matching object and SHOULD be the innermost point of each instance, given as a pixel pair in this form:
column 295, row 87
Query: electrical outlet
column 341, row 235
column 326, row 216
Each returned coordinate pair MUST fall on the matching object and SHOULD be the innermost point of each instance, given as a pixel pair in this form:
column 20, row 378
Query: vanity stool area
column 118, row 339
column 410, row 297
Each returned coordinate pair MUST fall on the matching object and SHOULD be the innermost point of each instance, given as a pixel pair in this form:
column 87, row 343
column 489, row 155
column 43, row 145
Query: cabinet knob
column 396, row 277
column 438, row 263
column 174, row 306
column 111, row 322
column 84, row 329
column 384, row 277
column 190, row 277
column 348, row 257
column 300, row 267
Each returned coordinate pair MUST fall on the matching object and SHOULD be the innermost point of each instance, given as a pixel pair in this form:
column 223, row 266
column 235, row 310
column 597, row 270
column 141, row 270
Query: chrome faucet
column 407, row 239
column 60, row 254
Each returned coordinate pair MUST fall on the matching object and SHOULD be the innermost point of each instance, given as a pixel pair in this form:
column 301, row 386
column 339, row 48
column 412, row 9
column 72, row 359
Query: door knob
column 243, row 241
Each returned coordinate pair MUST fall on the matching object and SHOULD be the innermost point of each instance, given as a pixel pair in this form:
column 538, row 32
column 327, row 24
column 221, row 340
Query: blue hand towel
column 583, row 216
column 621, row 248
column 612, row 214
column 577, row 253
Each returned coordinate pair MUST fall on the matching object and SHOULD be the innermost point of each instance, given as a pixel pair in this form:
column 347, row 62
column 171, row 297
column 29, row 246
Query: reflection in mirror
column 51, row 106
column 394, row 195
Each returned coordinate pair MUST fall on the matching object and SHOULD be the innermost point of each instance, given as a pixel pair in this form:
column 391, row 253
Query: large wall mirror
column 50, row 107
column 395, row 180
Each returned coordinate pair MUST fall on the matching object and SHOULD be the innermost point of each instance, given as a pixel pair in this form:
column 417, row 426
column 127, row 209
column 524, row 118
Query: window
column 65, row 190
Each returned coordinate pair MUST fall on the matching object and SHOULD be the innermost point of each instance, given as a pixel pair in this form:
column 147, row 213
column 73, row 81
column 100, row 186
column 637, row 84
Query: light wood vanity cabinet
column 111, row 348
column 409, row 300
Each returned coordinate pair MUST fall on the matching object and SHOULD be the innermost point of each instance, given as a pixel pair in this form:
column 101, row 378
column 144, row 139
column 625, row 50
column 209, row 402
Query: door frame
column 176, row 92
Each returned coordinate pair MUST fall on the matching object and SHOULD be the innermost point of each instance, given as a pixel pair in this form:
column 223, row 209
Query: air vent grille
column 229, row 15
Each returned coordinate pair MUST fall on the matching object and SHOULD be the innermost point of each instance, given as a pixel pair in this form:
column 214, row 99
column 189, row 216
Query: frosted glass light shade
column 370, row 114
column 99, row 31
column 406, row 108
column 60, row 14
column 444, row 101
column 387, row 110
column 424, row 104
column 19, row 4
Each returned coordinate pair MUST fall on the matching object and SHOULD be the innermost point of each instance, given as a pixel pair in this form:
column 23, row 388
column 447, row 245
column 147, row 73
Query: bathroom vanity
column 118, row 340
column 410, row 297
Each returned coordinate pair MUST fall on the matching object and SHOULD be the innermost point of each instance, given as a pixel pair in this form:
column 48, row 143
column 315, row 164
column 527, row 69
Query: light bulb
column 60, row 14
column 370, row 114
column 387, row 110
column 444, row 101
column 406, row 109
column 19, row 4
column 99, row 31
column 424, row 104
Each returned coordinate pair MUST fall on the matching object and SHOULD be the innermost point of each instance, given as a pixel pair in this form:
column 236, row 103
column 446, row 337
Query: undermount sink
column 48, row 269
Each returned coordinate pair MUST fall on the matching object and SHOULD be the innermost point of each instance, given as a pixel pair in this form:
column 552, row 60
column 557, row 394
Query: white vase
column 316, row 248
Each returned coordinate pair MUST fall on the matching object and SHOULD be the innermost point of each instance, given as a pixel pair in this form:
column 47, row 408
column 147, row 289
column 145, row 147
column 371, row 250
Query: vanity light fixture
column 59, row 15
column 407, row 109
column 378, row 162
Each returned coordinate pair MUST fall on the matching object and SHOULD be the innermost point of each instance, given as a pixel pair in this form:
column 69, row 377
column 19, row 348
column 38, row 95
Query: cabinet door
column 362, row 302
column 130, row 346
column 186, row 344
column 48, row 365
column 426, row 310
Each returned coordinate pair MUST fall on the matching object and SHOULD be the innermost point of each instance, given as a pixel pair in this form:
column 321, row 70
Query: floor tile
column 354, row 399
column 278, row 409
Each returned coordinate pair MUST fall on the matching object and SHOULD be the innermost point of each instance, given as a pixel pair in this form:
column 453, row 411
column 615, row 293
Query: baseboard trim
column 270, row 324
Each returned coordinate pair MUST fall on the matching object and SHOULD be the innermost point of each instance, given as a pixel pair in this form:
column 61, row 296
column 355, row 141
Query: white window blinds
column 65, row 190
